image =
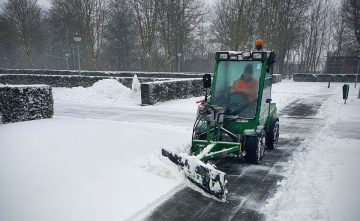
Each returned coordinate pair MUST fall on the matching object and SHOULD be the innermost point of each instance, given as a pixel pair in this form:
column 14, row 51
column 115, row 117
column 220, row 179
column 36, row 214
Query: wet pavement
column 249, row 185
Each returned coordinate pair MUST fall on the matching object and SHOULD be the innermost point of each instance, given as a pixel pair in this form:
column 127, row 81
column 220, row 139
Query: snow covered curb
column 25, row 102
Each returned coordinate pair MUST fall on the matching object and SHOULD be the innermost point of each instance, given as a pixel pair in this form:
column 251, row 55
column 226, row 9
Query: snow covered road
column 129, row 114
column 249, row 185
column 99, row 159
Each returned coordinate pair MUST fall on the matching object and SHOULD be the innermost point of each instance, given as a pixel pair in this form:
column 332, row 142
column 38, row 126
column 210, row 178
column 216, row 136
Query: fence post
column 345, row 88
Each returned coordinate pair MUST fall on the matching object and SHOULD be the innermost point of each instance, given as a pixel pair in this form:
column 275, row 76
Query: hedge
column 24, row 102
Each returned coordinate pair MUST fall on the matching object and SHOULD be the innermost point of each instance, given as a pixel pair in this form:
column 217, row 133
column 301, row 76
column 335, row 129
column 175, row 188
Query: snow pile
column 157, row 165
column 108, row 92
column 135, row 86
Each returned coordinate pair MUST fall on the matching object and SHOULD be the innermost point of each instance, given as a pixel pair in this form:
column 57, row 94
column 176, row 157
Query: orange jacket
column 251, row 88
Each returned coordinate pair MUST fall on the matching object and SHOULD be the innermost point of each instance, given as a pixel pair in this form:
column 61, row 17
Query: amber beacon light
column 259, row 43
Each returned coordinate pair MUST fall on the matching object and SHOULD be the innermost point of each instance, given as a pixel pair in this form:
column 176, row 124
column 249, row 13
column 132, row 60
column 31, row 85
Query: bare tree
column 351, row 10
column 231, row 25
column 146, row 14
column 316, row 40
column 120, row 36
column 237, row 23
column 9, row 52
column 24, row 17
column 86, row 18
column 177, row 20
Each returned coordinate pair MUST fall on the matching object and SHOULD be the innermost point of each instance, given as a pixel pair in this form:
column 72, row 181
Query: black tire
column 255, row 147
column 272, row 134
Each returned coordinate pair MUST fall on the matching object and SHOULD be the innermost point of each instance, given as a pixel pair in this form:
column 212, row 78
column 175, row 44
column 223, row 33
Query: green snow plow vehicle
column 238, row 118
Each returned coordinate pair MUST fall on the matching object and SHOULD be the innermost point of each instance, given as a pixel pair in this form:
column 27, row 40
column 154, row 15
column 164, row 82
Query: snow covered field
column 99, row 157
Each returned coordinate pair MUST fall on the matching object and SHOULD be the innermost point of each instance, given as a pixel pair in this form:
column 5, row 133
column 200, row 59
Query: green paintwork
column 240, row 127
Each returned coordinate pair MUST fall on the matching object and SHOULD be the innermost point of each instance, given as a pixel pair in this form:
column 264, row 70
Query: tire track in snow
column 249, row 185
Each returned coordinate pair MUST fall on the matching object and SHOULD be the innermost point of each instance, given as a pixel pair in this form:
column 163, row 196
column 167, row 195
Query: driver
column 247, row 84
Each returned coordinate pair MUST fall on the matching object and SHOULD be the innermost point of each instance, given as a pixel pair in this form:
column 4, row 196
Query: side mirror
column 271, row 61
column 207, row 80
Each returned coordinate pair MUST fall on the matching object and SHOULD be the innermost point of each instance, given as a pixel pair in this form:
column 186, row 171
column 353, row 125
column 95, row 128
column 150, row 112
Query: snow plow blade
column 206, row 177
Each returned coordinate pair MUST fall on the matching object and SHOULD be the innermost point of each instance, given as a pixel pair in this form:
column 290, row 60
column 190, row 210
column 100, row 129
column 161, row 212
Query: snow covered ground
column 99, row 157
column 323, row 181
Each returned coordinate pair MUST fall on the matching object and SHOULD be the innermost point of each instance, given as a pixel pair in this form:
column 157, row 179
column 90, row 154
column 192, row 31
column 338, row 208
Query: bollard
column 359, row 94
column 329, row 85
column 345, row 92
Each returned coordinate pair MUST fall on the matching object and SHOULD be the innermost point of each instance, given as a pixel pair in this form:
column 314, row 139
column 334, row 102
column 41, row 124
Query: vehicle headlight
column 233, row 57
column 246, row 54
column 257, row 55
column 223, row 56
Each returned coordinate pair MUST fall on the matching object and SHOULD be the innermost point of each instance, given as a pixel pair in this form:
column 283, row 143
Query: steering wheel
column 236, row 100
column 238, row 97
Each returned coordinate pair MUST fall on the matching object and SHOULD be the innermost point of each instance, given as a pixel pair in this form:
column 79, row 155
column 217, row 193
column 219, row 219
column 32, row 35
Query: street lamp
column 67, row 60
column 179, row 56
column 77, row 39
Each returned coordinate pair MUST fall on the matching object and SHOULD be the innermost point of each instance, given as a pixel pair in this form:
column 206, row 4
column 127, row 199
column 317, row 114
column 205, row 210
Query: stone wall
column 159, row 91
column 304, row 77
column 103, row 73
column 63, row 81
column 153, row 89
column 22, row 103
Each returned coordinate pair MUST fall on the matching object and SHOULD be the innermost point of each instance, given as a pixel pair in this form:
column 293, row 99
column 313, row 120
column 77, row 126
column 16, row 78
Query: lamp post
column 179, row 56
column 67, row 60
column 77, row 39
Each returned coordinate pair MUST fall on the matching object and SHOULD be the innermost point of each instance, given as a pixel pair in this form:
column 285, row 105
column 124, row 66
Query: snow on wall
column 103, row 73
column 25, row 102
column 305, row 77
column 153, row 92
column 63, row 80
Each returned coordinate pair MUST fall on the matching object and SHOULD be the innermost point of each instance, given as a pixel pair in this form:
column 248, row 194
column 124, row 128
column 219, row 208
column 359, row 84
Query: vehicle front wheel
column 255, row 147
column 272, row 134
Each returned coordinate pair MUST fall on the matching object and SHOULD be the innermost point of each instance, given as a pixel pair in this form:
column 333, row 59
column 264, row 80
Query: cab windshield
column 237, row 87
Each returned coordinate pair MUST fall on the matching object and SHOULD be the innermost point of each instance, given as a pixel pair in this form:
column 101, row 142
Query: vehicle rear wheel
column 272, row 134
column 255, row 147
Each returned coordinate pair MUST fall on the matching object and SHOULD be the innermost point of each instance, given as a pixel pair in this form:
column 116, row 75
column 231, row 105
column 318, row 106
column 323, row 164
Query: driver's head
column 248, row 72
